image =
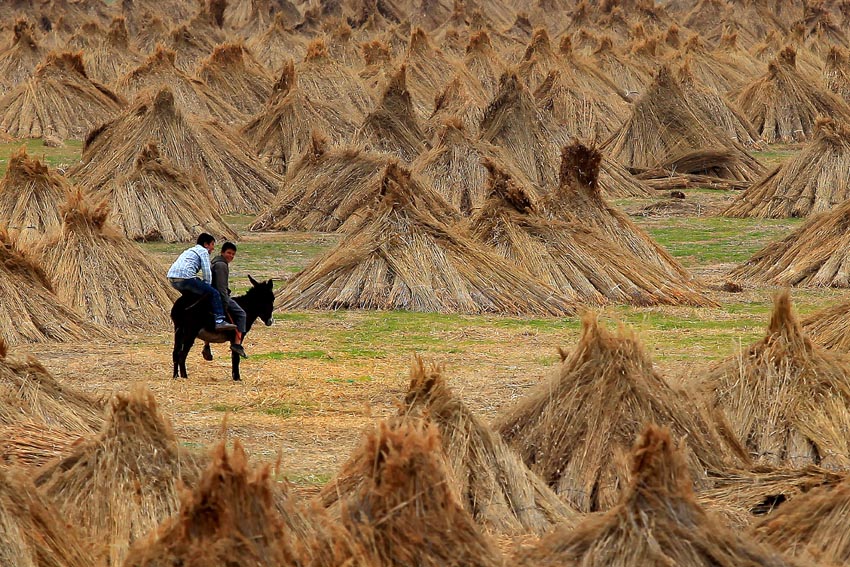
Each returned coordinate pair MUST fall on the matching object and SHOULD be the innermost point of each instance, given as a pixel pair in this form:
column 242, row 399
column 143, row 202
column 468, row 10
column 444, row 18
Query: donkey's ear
column 253, row 281
column 270, row 282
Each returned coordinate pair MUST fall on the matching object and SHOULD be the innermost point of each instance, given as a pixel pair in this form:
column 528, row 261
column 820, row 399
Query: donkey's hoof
column 207, row 355
column 237, row 379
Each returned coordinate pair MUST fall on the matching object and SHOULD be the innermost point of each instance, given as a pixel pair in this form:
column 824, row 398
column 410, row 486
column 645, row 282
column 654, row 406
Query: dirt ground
column 315, row 380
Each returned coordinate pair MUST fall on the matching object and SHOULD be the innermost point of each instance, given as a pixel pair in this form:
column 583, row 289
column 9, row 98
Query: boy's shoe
column 224, row 326
column 239, row 350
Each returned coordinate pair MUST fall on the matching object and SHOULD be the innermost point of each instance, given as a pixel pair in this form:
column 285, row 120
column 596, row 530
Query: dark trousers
column 240, row 318
column 200, row 287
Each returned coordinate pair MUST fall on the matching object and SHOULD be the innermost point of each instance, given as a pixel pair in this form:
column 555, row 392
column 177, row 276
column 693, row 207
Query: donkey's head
column 261, row 298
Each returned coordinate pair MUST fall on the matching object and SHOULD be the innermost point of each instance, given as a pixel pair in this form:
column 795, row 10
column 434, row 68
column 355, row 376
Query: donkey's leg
column 234, row 366
column 175, row 354
column 207, row 352
column 184, row 353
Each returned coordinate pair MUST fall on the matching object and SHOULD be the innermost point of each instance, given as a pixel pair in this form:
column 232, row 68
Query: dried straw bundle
column 718, row 75
column 814, row 528
column 29, row 311
column 784, row 104
column 578, row 260
column 514, row 122
column 538, row 60
column 88, row 264
column 706, row 15
column 784, row 397
column 328, row 190
column 814, row 255
column 813, row 181
column 59, row 100
column 577, row 198
column 29, row 394
column 484, row 63
column 494, row 485
column 656, row 522
column 829, row 327
column 228, row 519
column 393, row 127
column 19, row 60
column 121, row 484
column 30, row 197
column 579, row 442
column 707, row 100
column 158, row 201
column 836, row 72
column 149, row 31
column 456, row 102
column 667, row 132
column 629, row 78
column 277, row 44
column 192, row 95
column 237, row 77
column 33, row 533
column 455, row 166
column 586, row 115
column 252, row 17
column 238, row 180
column 112, row 57
column 324, row 78
column 397, row 502
column 404, row 256
column 191, row 44
column 729, row 53
column 29, row 444
column 284, row 129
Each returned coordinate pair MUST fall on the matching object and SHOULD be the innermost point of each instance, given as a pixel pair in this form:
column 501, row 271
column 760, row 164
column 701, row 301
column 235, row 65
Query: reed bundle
column 328, row 190
column 829, row 327
column 277, row 44
column 150, row 30
column 710, row 68
column 513, row 122
column 455, row 166
column 397, row 501
column 191, row 95
column 28, row 444
column 238, row 181
column 252, row 17
column 784, row 104
column 745, row 496
column 813, row 181
column 19, row 60
column 191, row 44
column 158, row 201
column 729, row 120
column 34, row 535
column 836, row 72
column 539, row 59
column 629, row 78
column 668, row 132
column 784, row 397
column 456, row 101
column 393, row 127
column 493, row 483
column 813, row 528
column 577, row 260
column 730, row 53
column 324, row 78
column 577, row 198
column 29, row 311
column 814, row 255
column 59, row 100
column 579, row 442
column 29, row 394
column 484, row 63
column 120, row 485
column 30, row 197
column 283, row 130
column 227, row 519
column 111, row 57
column 86, row 257
column 655, row 522
column 237, row 77
column 404, row 256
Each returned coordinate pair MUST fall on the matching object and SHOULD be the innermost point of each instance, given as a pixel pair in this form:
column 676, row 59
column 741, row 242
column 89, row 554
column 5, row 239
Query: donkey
column 193, row 318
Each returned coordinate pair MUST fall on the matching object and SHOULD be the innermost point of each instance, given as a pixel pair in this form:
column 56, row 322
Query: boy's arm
column 206, row 271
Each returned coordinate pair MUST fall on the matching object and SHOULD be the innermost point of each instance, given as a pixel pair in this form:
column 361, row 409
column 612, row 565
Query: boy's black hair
column 228, row 246
column 204, row 239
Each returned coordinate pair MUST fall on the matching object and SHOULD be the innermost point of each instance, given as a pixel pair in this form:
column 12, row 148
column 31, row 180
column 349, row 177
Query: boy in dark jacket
column 221, row 280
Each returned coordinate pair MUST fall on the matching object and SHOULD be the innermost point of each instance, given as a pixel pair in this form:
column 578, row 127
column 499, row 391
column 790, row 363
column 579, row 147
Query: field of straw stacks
column 557, row 282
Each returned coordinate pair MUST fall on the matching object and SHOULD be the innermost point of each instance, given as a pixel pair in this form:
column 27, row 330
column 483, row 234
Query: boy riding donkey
column 183, row 277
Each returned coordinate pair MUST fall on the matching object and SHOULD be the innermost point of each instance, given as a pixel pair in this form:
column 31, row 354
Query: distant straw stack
column 232, row 72
column 120, row 485
column 836, row 72
column 813, row 181
column 398, row 503
column 79, row 254
column 158, row 201
column 19, row 60
column 830, row 327
column 784, row 397
column 579, row 442
column 655, row 522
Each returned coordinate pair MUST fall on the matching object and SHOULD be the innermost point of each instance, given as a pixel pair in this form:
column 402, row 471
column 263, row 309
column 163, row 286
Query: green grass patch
column 305, row 478
column 357, row 380
column 298, row 354
column 54, row 157
column 228, row 408
column 285, row 409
